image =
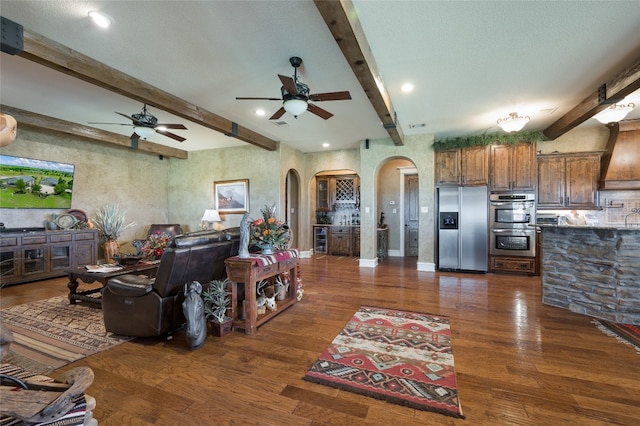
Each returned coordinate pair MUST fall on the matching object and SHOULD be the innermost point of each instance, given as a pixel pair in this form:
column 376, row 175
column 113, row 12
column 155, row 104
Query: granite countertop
column 332, row 224
column 580, row 227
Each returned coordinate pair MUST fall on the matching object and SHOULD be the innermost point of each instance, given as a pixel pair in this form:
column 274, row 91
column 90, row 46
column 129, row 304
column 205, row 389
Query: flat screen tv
column 27, row 183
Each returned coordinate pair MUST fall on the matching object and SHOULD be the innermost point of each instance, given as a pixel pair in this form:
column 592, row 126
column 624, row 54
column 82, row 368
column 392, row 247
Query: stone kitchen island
column 592, row 270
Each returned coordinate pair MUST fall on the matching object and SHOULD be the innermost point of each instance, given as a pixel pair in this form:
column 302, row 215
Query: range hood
column 620, row 164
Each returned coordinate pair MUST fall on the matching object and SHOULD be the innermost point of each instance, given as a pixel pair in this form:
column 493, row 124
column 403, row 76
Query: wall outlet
column 424, row 209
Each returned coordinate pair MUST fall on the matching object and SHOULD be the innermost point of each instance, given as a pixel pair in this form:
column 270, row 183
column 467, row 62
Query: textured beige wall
column 103, row 175
column 191, row 182
column 418, row 149
column 592, row 138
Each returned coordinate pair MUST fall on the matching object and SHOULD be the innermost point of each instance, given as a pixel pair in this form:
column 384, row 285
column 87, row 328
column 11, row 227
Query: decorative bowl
column 127, row 259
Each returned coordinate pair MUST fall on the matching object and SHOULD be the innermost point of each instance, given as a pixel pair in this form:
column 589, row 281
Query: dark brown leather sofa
column 144, row 307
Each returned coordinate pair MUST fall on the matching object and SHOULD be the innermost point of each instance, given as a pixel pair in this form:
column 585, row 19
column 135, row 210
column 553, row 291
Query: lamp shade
column 513, row 123
column 295, row 107
column 144, row 132
column 614, row 113
column 211, row 215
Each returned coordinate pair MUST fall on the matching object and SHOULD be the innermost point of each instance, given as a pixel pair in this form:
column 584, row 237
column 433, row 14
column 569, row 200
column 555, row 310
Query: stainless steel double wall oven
column 511, row 217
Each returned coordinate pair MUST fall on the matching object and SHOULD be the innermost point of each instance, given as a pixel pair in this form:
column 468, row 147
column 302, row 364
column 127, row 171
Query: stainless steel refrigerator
column 463, row 228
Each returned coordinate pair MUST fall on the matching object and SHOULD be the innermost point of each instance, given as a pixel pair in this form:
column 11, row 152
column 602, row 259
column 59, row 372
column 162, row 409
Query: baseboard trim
column 426, row 266
column 306, row 253
column 368, row 263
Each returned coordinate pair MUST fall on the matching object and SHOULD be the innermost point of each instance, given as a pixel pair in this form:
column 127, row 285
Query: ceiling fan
column 146, row 124
column 295, row 96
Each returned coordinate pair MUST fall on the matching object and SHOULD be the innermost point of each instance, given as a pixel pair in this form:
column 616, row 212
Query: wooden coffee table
column 87, row 277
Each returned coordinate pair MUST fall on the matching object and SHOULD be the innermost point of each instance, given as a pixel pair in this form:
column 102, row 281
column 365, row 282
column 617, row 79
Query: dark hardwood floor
column 518, row 361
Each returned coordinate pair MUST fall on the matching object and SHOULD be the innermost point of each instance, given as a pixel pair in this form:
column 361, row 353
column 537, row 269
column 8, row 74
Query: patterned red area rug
column 400, row 357
column 625, row 333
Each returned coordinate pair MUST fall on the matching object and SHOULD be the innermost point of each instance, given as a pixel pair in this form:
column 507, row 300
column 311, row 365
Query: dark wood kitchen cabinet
column 332, row 190
column 513, row 167
column 447, row 167
column 467, row 166
column 568, row 181
column 340, row 240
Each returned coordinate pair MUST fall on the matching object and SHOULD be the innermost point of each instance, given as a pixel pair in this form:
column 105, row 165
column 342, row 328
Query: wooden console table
column 245, row 273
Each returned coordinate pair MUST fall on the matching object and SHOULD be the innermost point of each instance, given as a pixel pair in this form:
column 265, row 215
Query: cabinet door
column 34, row 260
column 322, row 201
column 340, row 242
column 60, row 256
column 523, row 167
column 447, row 170
column 85, row 253
column 582, row 181
column 10, row 266
column 500, row 168
column 355, row 244
column 551, row 182
column 475, row 165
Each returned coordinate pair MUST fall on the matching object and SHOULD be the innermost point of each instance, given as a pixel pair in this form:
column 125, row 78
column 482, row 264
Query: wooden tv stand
column 37, row 255
column 245, row 273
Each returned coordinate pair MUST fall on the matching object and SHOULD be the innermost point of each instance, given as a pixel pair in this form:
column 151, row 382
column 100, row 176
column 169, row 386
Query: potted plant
column 216, row 303
column 110, row 222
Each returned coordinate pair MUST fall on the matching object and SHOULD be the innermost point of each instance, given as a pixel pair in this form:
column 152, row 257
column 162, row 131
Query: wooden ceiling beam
column 341, row 19
column 52, row 54
column 623, row 84
column 32, row 120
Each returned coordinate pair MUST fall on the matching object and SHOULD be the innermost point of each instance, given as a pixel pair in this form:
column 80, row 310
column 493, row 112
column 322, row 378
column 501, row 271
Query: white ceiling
column 470, row 62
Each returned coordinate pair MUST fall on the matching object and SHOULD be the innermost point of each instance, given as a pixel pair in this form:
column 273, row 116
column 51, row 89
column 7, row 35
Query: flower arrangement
column 155, row 244
column 269, row 230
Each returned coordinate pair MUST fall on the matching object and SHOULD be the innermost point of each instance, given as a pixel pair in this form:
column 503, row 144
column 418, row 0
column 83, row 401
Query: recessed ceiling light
column 326, row 145
column 407, row 88
column 100, row 19
column 260, row 112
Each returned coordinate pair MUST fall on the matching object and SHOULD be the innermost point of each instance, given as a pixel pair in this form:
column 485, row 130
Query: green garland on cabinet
column 493, row 139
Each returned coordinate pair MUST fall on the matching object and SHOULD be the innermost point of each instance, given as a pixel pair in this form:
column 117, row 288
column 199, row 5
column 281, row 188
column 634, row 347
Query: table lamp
column 210, row 216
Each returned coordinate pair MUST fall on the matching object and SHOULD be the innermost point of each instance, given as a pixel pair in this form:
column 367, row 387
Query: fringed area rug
column 625, row 333
column 400, row 357
column 51, row 333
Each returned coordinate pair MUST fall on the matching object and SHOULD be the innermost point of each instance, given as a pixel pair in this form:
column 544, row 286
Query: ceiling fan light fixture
column 295, row 107
column 144, row 132
column 614, row 113
column 513, row 123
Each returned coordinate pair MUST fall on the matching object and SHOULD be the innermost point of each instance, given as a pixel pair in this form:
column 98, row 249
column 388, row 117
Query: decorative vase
column 266, row 248
column 111, row 248
column 220, row 329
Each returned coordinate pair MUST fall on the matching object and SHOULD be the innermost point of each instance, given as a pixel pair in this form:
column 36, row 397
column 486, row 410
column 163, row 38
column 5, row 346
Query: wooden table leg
column 73, row 288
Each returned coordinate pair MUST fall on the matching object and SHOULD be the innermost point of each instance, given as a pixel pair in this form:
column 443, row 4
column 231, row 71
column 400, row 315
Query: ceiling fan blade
column 171, row 135
column 279, row 113
column 126, row 116
column 172, row 126
column 330, row 96
column 288, row 84
column 258, row 99
column 319, row 111
column 119, row 124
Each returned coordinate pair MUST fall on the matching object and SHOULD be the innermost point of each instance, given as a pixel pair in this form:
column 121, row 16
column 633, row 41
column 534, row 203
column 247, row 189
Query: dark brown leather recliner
column 144, row 307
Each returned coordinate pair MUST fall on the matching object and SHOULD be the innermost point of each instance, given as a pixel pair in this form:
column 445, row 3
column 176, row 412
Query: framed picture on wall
column 231, row 196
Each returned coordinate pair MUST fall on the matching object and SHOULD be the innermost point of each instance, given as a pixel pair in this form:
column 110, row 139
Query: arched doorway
column 292, row 205
column 398, row 206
